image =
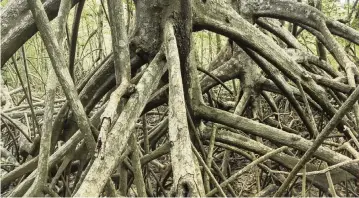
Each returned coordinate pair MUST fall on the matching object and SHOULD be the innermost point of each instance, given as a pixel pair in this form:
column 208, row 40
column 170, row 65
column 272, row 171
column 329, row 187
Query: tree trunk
column 291, row 105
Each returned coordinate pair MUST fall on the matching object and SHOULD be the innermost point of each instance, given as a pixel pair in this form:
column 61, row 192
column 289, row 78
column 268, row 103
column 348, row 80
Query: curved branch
column 18, row 25
column 222, row 19
column 276, row 29
column 299, row 12
column 74, row 35
column 215, row 78
column 274, row 135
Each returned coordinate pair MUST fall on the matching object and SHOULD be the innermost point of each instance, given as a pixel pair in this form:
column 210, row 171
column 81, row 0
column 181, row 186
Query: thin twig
column 248, row 167
column 347, row 105
column 215, row 78
column 208, row 171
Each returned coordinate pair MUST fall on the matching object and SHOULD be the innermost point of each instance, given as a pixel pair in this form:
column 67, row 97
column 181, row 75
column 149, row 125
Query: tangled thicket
column 273, row 113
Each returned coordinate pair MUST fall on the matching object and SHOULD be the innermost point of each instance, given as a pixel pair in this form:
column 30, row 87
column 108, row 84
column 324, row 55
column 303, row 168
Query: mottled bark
column 302, row 91
column 274, row 135
column 118, row 137
column 45, row 143
column 18, row 25
column 187, row 181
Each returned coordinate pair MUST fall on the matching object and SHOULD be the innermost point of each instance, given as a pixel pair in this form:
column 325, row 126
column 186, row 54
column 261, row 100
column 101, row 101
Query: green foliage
column 3, row 3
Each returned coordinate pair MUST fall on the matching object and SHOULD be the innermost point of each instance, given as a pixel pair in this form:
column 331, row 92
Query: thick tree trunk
column 302, row 93
column 187, row 181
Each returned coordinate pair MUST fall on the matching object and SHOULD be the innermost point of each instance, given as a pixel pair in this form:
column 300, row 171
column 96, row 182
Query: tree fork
column 118, row 137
